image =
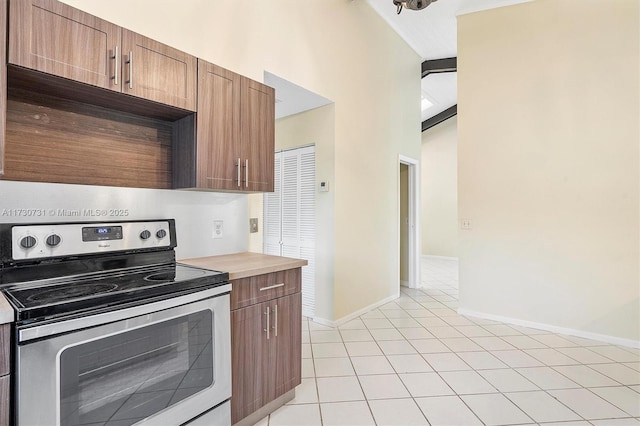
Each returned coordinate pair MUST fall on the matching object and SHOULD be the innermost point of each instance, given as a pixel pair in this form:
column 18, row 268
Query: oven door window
column 124, row 378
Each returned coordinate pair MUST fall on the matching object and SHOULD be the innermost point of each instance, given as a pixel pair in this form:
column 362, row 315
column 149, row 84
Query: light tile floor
column 415, row 361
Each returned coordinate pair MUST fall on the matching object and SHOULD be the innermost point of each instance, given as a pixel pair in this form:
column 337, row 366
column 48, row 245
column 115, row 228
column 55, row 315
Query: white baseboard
column 554, row 329
column 431, row 256
column 404, row 283
column 323, row 321
column 356, row 314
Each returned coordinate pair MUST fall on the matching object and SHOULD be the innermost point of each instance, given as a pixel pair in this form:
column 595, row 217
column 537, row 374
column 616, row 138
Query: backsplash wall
column 194, row 212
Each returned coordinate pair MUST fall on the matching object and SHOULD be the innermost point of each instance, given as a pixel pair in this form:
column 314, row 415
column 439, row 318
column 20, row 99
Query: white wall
column 317, row 127
column 439, row 213
column 341, row 50
column 549, row 170
column 194, row 212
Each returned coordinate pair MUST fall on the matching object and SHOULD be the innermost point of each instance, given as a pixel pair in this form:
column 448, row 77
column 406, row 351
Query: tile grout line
column 407, row 297
column 358, row 379
column 447, row 384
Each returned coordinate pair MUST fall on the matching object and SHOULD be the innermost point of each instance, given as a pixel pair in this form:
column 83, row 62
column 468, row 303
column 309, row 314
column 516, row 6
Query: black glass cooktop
column 47, row 299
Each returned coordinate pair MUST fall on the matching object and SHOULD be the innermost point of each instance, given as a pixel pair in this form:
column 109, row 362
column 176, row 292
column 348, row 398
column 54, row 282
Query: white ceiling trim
column 291, row 98
column 479, row 7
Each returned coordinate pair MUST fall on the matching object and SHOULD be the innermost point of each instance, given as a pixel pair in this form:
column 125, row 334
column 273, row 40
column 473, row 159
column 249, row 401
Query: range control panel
column 67, row 239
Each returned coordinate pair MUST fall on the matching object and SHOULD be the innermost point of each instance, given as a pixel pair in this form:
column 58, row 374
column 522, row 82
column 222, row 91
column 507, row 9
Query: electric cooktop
column 45, row 299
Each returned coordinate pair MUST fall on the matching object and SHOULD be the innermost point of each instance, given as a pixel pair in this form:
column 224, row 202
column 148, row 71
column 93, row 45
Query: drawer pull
column 272, row 286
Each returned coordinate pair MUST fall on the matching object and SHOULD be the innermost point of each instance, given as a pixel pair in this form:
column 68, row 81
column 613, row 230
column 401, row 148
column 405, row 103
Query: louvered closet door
column 307, row 228
column 272, row 213
column 290, row 214
column 290, row 203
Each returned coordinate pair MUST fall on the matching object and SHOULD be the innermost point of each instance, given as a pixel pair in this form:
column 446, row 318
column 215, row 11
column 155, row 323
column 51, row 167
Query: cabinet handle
column 115, row 56
column 246, row 173
column 268, row 323
column 275, row 327
column 272, row 286
column 238, row 164
column 130, row 62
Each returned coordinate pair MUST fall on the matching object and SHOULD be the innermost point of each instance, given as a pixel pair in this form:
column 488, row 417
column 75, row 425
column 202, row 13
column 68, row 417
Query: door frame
column 414, row 223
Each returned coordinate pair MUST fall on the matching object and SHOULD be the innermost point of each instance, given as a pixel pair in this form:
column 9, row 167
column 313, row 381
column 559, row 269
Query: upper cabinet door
column 51, row 37
column 158, row 72
column 258, row 135
column 218, row 152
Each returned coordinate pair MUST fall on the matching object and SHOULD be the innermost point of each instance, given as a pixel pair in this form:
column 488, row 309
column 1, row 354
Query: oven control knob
column 28, row 242
column 161, row 234
column 144, row 235
column 53, row 240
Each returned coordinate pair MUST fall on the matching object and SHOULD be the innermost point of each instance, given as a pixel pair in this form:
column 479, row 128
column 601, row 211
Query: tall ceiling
column 432, row 33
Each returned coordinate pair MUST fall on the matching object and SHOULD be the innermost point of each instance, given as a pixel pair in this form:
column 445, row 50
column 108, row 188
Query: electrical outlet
column 218, row 229
column 465, row 224
column 253, row 225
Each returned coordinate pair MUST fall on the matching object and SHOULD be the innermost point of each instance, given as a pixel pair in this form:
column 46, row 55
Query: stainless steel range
column 110, row 330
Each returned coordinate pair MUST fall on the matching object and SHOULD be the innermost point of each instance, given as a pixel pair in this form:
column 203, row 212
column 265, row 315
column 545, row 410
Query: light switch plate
column 253, row 225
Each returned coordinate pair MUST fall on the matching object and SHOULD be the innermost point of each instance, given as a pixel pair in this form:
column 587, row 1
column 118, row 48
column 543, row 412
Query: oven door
column 155, row 365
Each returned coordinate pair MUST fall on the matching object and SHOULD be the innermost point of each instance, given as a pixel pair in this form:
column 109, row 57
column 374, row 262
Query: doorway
column 409, row 247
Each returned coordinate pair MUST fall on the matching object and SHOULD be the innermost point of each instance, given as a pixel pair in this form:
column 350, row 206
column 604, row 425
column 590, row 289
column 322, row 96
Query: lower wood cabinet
column 4, row 400
column 5, row 344
column 266, row 347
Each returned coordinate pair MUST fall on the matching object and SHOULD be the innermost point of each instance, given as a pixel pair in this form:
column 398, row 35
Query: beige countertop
column 241, row 265
column 6, row 311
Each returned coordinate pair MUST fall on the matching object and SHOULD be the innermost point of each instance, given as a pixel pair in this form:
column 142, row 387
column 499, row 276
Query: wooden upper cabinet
column 235, row 140
column 49, row 36
column 232, row 146
column 155, row 71
column 54, row 38
column 258, row 135
column 218, row 153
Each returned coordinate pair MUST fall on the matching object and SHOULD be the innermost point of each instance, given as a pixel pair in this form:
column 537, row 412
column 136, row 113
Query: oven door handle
column 30, row 333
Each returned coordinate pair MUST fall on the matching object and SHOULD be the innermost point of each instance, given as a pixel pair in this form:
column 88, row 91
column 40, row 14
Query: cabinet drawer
column 260, row 288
